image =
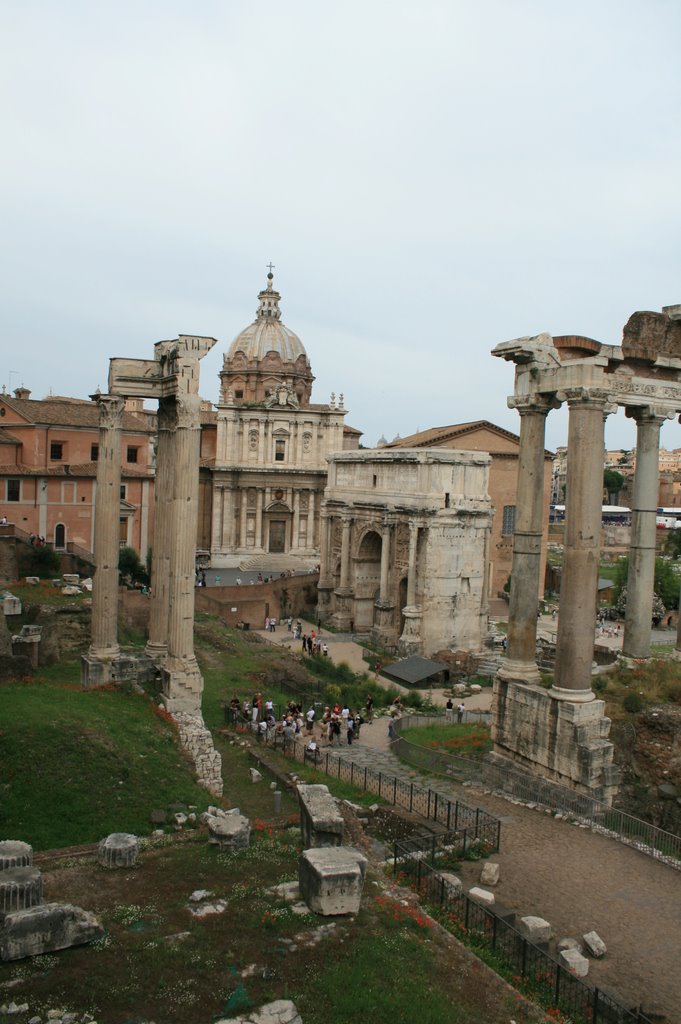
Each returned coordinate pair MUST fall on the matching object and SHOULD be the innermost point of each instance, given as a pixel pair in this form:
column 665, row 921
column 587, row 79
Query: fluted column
column 104, row 635
column 386, row 537
column 411, row 577
column 259, row 499
column 343, row 616
column 581, row 553
column 295, row 529
column 243, row 521
column 520, row 664
column 157, row 644
column 345, row 552
column 181, row 676
column 641, row 576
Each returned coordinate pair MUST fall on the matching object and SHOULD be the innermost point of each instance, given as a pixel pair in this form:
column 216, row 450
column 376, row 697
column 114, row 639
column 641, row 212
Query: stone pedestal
column 321, row 823
column 383, row 629
column 331, row 879
column 231, row 832
column 565, row 741
column 411, row 642
column 118, row 850
column 342, row 617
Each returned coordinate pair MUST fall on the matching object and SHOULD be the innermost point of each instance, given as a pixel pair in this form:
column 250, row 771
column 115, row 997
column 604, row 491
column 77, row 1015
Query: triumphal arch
column 171, row 378
column 563, row 732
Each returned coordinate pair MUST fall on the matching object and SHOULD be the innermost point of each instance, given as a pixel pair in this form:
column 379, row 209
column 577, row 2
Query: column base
column 574, row 696
column 411, row 641
column 343, row 617
column 562, row 739
column 128, row 667
column 157, row 652
column 514, row 671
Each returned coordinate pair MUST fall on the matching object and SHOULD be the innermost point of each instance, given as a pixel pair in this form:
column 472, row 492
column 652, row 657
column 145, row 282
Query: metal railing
column 481, row 926
column 516, row 784
column 450, row 814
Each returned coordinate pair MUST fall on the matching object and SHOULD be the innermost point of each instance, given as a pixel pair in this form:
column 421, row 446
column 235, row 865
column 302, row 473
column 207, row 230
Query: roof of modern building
column 68, row 412
column 413, row 669
column 437, row 435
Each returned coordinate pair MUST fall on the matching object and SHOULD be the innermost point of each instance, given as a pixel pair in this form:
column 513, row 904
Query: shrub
column 633, row 702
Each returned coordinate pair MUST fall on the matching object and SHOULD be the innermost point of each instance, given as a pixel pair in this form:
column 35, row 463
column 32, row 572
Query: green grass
column 465, row 740
column 80, row 764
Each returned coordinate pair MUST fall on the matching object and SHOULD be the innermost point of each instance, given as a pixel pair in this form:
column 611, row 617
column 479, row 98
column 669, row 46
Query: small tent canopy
column 417, row 671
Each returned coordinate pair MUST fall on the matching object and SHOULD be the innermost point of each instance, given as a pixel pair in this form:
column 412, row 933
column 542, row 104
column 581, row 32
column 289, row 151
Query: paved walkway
column 577, row 880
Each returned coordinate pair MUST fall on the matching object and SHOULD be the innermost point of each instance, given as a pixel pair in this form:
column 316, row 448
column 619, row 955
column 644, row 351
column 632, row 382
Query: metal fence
column 450, row 814
column 516, row 784
column 483, row 927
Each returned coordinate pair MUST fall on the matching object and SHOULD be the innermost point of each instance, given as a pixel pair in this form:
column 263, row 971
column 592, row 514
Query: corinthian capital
column 110, row 411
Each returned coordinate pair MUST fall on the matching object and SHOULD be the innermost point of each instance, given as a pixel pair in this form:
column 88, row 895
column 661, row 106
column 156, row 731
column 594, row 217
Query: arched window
column 60, row 536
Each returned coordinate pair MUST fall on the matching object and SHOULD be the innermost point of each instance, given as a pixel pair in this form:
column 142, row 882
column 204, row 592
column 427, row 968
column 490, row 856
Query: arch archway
column 366, row 579
column 60, row 536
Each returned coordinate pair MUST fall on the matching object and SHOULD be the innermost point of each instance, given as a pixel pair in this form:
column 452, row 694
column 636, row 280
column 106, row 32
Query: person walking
column 449, row 706
column 460, row 712
column 370, row 709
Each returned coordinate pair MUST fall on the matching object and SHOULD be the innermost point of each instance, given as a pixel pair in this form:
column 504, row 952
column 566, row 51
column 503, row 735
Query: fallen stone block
column 321, row 823
column 489, row 874
column 575, row 962
column 255, row 775
column 331, row 879
column 453, row 884
column 282, row 1011
column 534, row 929
column 475, row 688
column 568, row 943
column 481, row 896
column 46, row 928
column 595, row 945
column 118, row 850
column 231, row 832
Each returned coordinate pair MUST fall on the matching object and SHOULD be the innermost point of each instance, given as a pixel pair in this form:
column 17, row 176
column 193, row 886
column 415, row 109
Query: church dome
column 266, row 356
column 267, row 333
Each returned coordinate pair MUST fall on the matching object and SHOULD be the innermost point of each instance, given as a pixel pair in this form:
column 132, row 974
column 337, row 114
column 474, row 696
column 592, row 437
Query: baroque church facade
column 264, row 450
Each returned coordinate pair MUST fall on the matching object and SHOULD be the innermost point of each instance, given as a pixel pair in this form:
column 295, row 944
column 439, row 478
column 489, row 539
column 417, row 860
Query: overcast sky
column 428, row 178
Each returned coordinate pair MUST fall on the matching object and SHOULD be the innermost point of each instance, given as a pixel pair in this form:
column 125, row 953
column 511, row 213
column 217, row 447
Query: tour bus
column 611, row 515
column 668, row 518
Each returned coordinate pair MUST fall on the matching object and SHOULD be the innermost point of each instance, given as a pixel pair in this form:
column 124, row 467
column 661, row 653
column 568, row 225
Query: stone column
column 520, row 664
column 325, row 584
column 295, row 527
column 384, row 629
column 157, row 644
column 259, row 500
column 410, row 641
column 243, row 522
column 641, row 576
column 104, row 645
column 345, row 552
column 182, row 681
column 581, row 552
column 311, row 521
column 386, row 536
column 343, row 617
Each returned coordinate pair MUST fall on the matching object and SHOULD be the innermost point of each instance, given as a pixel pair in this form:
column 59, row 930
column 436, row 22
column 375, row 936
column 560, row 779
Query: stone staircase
column 276, row 563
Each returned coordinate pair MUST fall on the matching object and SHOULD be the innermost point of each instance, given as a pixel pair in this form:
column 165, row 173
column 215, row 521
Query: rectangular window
column 446, row 499
column 279, row 451
column 13, row 490
column 94, row 452
column 56, row 451
column 508, row 521
column 123, row 489
column 132, row 454
column 238, row 394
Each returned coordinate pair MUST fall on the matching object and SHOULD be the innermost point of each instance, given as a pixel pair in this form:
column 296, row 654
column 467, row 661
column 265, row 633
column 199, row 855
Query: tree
column 666, row 585
column 130, row 566
column 613, row 482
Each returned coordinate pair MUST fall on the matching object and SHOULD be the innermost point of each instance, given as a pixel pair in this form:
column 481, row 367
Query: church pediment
column 279, row 506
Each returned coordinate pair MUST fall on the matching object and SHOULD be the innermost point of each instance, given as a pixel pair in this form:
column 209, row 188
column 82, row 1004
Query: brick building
column 48, row 469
